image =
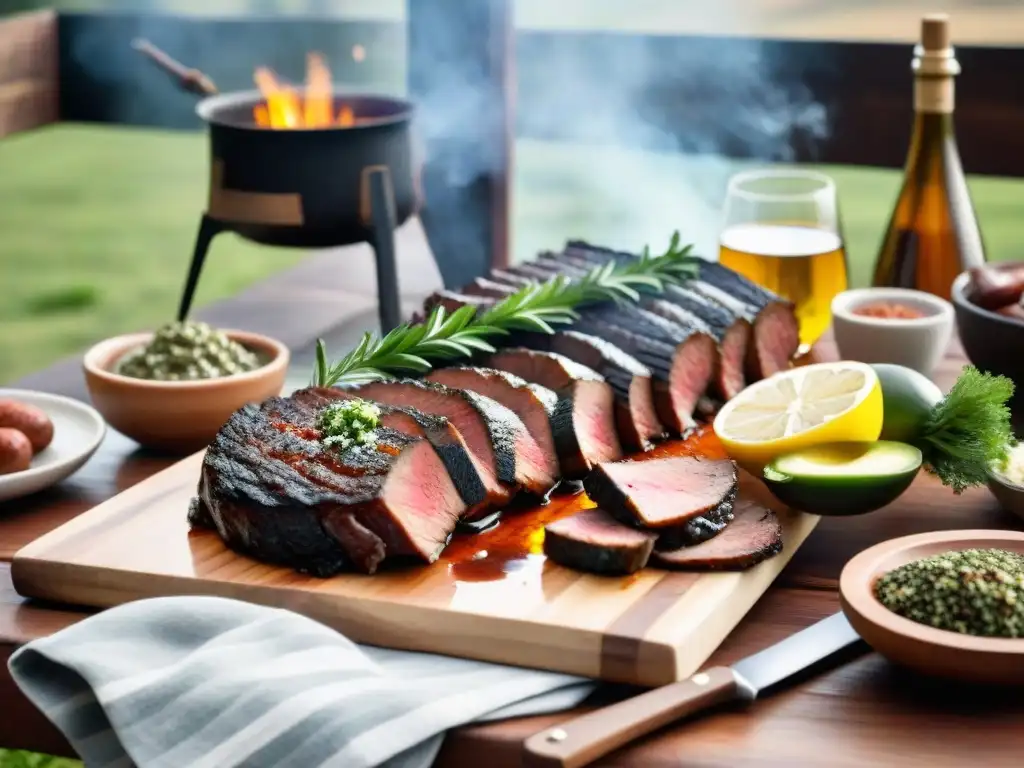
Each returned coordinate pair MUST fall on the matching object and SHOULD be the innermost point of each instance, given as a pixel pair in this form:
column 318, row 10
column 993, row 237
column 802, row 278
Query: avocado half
column 839, row 479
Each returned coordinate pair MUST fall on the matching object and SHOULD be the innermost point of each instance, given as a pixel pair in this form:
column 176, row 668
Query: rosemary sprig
column 538, row 307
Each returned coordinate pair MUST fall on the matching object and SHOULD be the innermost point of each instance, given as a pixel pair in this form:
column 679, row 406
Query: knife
column 580, row 741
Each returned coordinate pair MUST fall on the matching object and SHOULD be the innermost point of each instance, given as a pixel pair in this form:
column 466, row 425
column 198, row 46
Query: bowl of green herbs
column 943, row 603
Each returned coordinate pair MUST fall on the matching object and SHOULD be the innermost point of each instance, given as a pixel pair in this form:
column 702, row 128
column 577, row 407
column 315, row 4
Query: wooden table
column 865, row 713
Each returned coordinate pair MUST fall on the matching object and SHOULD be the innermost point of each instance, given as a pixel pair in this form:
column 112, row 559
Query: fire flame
column 284, row 107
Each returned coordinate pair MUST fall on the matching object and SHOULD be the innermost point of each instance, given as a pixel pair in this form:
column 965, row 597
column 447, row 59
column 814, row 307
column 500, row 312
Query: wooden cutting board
column 491, row 596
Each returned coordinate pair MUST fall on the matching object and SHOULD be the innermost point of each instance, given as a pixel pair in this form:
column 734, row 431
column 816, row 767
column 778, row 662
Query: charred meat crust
column 753, row 536
column 700, row 528
column 637, row 422
column 570, row 424
column 271, row 490
column 594, row 541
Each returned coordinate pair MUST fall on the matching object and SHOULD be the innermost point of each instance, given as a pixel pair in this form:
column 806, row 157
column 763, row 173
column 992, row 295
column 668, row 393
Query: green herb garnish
column 349, row 423
column 413, row 349
column 968, row 430
column 971, row 591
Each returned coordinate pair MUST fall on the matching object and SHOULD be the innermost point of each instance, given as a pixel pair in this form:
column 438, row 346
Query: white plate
column 78, row 431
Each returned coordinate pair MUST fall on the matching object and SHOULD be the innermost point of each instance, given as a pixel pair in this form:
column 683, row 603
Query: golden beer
column 804, row 264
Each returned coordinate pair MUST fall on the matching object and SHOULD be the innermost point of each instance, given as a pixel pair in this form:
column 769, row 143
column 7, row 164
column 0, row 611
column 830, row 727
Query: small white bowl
column 917, row 343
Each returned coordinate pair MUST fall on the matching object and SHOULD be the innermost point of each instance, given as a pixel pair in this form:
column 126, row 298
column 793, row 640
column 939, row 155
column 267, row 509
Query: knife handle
column 589, row 737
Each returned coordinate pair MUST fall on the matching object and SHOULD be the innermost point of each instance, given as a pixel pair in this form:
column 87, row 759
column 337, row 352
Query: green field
column 97, row 224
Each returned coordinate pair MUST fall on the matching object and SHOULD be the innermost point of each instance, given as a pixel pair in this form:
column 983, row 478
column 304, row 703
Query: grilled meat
column 273, row 491
column 594, row 541
column 495, row 435
column 661, row 493
column 636, row 419
column 753, row 536
column 534, row 405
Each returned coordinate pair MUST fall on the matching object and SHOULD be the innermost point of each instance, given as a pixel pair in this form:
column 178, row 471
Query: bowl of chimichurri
column 174, row 388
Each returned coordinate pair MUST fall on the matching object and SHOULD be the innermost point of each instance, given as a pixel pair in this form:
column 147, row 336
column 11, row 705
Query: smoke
column 624, row 138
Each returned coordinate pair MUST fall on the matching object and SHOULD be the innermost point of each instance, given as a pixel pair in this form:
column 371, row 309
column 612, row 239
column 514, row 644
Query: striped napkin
column 206, row 682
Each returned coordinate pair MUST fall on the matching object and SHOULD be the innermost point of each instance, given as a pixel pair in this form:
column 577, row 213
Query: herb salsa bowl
column 178, row 416
column 931, row 651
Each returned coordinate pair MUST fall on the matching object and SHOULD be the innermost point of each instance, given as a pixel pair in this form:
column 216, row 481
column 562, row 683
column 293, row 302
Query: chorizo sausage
column 15, row 451
column 29, row 420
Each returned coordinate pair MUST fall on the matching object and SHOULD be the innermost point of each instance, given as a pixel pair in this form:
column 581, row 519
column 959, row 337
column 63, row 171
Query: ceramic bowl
column 937, row 652
column 178, row 416
column 918, row 343
column 992, row 342
column 1009, row 495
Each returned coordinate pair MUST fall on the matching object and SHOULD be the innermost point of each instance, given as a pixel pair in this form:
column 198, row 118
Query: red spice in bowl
column 888, row 310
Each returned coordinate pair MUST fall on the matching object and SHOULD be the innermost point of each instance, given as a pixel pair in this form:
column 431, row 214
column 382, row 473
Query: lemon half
column 801, row 408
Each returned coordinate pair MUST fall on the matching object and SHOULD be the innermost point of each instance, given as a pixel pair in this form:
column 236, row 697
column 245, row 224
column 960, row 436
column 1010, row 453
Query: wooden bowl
column 938, row 652
column 178, row 416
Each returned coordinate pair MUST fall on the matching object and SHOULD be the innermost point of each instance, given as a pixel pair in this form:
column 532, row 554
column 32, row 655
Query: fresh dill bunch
column 969, row 430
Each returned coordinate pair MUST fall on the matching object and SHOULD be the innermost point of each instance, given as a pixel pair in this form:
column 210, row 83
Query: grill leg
column 208, row 229
column 377, row 190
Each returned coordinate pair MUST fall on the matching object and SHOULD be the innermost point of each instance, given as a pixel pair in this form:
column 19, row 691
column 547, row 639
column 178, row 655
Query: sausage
column 993, row 287
column 29, row 420
column 15, row 451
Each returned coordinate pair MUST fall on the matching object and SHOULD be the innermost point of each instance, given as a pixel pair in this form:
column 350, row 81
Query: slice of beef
column 531, row 271
column 594, row 541
column 685, row 366
column 553, row 264
column 753, row 536
column 732, row 331
column 554, row 371
column 636, row 419
column 463, row 467
column 776, row 331
column 489, row 289
column 452, row 301
column 495, row 435
column 728, row 377
column 272, row 490
column 701, row 528
column 661, row 493
column 584, row 427
column 533, row 405
column 507, row 278
column 584, row 421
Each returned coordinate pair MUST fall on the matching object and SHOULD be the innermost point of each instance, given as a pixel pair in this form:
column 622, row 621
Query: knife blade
column 580, row 741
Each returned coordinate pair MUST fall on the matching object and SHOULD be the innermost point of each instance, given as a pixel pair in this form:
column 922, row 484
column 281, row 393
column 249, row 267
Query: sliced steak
column 754, row 535
column 698, row 529
column 534, row 405
column 732, row 331
column 636, row 419
column 531, row 272
column 452, row 301
column 463, row 467
column 662, row 493
column 685, row 366
column 776, row 331
column 554, row 371
column 273, row 491
column 584, row 419
column 594, row 541
column 507, row 278
column 489, row 289
column 584, row 427
column 495, row 435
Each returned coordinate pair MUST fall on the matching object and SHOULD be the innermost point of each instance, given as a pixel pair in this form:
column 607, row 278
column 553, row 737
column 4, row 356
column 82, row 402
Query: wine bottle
column 933, row 234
